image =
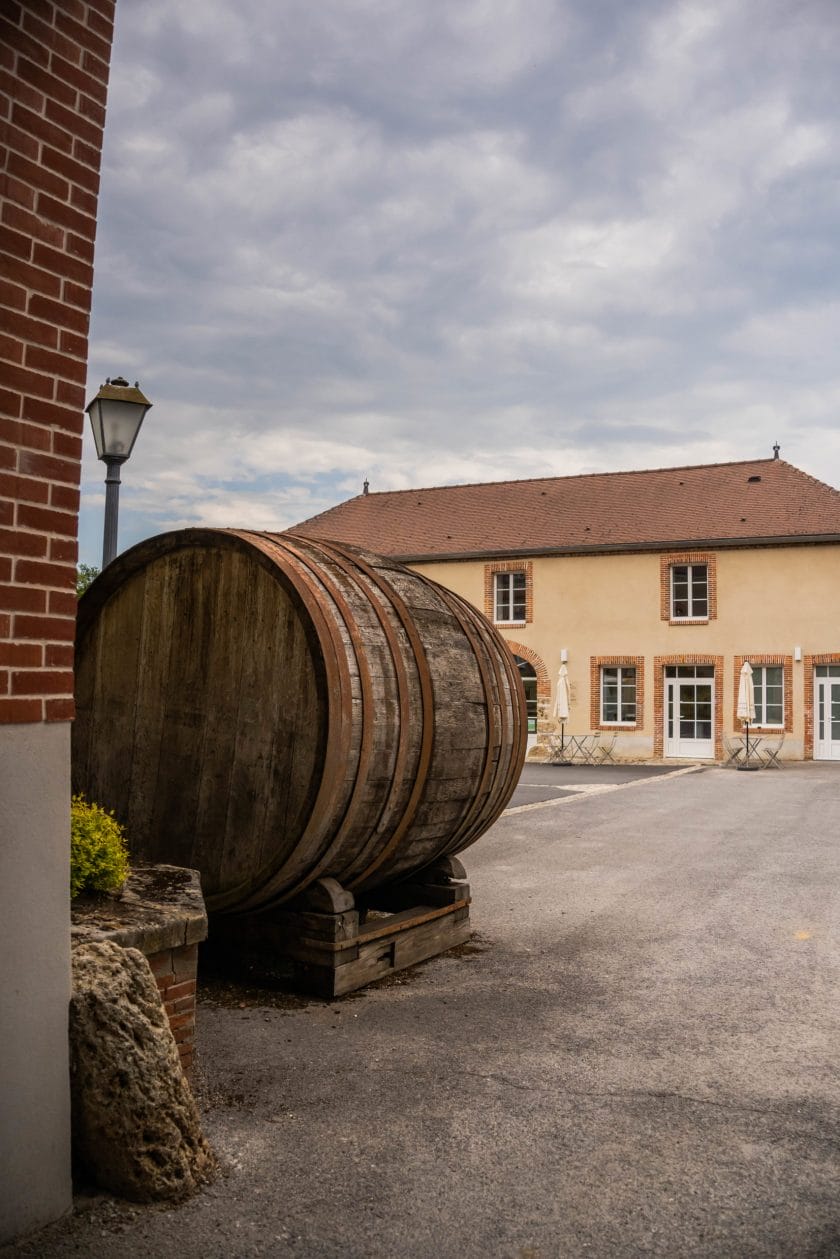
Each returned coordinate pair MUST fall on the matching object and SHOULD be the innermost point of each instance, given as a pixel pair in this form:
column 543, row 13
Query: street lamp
column 116, row 414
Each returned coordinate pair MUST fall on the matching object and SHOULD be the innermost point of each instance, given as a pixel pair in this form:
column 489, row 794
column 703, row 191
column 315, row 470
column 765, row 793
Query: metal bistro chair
column 770, row 753
column 559, row 750
column 586, row 745
column 734, row 751
column 604, row 751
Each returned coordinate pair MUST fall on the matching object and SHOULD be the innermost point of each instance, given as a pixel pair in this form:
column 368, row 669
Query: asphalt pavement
column 539, row 783
column 636, row 1055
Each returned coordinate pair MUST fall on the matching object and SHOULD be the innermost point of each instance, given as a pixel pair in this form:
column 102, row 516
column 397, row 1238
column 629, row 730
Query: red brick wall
column 175, row 972
column 54, row 59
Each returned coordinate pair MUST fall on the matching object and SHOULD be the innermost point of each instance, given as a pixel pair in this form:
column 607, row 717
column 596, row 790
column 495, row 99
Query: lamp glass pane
column 120, row 425
column 96, row 425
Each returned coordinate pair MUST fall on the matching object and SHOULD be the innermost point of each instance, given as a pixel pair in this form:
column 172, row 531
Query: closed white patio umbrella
column 562, row 702
column 746, row 707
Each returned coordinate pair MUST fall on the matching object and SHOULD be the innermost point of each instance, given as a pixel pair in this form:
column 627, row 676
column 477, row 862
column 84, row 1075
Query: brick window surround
column 543, row 681
column 596, row 663
column 787, row 682
column 666, row 563
column 809, row 664
column 659, row 666
column 509, row 566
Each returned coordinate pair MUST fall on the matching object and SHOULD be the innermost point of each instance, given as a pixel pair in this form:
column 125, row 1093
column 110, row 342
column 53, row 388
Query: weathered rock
column 136, row 1129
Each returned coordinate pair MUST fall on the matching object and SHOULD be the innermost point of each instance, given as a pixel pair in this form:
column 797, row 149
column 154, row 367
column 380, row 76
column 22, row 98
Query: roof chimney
column 776, row 450
column 366, row 485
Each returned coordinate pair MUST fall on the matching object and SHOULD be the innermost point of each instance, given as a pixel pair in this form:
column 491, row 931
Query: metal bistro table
column 753, row 759
column 577, row 749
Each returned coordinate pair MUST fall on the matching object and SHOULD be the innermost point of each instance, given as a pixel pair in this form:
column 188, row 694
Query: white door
column 827, row 713
column 689, row 718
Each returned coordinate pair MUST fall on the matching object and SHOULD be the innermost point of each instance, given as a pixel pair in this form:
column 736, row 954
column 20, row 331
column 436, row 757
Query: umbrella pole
column 746, row 764
column 562, row 738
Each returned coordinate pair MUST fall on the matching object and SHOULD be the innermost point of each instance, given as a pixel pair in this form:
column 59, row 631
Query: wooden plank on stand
column 330, row 954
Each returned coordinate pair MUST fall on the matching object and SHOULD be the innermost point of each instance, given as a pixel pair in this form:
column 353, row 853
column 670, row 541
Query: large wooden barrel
column 271, row 710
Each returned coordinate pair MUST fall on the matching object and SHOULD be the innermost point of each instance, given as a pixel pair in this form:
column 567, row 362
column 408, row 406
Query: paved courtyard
column 540, row 783
column 637, row 1055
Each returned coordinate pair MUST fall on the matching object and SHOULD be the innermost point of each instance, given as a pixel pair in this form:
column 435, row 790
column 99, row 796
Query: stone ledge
column 160, row 907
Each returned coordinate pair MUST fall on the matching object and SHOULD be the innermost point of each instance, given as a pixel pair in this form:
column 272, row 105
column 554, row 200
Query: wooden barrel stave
column 408, row 655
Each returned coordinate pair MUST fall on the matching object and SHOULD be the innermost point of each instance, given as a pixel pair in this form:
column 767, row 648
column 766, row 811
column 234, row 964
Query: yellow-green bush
column 98, row 853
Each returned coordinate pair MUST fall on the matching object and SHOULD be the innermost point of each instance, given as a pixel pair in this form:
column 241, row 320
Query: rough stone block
column 136, row 1128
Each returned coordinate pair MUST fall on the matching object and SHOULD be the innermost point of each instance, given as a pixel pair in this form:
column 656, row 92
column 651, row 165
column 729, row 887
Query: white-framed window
column 509, row 596
column 618, row 695
column 689, row 592
column 769, row 690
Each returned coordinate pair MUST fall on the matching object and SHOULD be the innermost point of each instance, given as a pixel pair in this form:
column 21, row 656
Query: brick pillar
column 54, row 60
column 175, row 973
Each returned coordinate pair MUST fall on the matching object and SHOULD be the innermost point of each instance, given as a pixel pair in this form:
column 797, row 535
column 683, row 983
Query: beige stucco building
column 652, row 587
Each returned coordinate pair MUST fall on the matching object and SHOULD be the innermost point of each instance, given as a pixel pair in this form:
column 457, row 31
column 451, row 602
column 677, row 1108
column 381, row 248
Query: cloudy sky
column 462, row 240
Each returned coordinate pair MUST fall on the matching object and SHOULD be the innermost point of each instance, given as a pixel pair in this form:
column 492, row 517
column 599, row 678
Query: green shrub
column 98, row 853
column 85, row 574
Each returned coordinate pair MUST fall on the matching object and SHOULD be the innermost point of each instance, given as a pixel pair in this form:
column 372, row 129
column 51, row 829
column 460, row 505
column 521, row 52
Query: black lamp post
column 116, row 414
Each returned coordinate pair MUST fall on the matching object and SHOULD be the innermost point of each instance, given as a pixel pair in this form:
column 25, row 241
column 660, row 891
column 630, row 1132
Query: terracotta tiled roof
column 763, row 500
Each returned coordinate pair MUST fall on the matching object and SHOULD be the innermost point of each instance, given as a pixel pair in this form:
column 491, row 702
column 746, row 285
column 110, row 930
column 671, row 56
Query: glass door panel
column 703, row 711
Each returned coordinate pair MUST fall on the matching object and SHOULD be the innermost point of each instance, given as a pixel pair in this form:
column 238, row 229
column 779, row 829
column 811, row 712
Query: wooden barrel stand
column 331, row 943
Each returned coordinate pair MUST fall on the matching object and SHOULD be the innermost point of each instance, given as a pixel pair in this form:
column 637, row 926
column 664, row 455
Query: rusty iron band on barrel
column 368, row 712
column 272, row 887
column 427, row 706
column 519, row 724
column 464, row 616
column 351, row 568
column 509, row 687
column 321, row 573
column 519, row 719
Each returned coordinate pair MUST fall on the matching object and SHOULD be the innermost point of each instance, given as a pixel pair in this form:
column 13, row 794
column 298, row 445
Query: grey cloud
column 445, row 241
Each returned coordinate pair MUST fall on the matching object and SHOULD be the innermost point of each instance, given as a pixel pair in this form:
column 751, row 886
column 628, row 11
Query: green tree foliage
column 85, row 574
column 98, row 853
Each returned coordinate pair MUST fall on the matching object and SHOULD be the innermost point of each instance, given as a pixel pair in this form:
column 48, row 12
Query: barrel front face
column 270, row 710
column 211, row 759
